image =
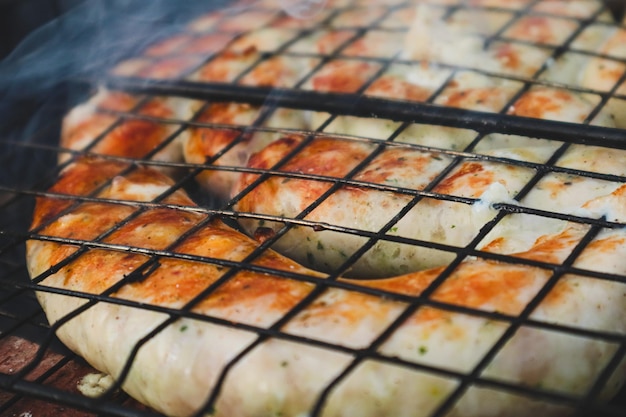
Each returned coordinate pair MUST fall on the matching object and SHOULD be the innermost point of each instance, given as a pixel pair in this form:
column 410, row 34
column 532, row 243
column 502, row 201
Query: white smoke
column 88, row 39
column 37, row 77
column 302, row 9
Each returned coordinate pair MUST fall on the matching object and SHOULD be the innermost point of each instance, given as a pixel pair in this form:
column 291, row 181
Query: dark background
column 46, row 48
column 46, row 43
column 18, row 18
column 53, row 54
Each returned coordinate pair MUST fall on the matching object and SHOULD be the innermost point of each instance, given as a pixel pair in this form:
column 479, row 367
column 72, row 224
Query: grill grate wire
column 16, row 285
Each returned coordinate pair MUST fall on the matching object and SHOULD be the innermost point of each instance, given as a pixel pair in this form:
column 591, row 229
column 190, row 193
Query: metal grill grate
column 38, row 368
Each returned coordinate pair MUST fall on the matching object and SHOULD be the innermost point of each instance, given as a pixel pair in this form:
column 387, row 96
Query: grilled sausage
column 151, row 289
column 175, row 370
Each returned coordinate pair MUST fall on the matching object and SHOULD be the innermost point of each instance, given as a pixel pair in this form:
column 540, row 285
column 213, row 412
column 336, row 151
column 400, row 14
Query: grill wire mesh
column 37, row 369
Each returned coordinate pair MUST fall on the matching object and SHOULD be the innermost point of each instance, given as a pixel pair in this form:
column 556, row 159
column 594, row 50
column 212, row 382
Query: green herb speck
column 423, row 350
column 183, row 328
column 320, row 246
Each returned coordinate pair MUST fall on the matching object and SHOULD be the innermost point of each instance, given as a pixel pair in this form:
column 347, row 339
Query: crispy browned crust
column 176, row 281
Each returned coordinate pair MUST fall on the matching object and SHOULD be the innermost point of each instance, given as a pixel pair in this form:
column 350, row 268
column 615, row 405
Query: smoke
column 37, row 79
column 88, row 39
column 302, row 9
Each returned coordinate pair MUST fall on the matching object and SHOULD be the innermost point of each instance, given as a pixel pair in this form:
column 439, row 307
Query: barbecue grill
column 38, row 376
